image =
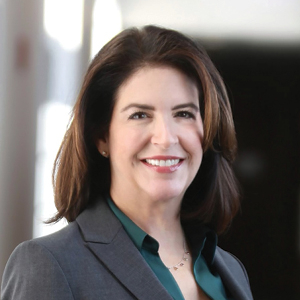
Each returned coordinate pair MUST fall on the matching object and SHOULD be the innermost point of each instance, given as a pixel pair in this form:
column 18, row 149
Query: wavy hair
column 80, row 173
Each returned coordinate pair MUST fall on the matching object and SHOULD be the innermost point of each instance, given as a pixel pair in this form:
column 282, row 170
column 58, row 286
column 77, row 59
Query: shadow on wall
column 263, row 84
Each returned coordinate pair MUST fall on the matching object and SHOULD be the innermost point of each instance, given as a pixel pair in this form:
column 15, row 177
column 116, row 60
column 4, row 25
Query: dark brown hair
column 81, row 173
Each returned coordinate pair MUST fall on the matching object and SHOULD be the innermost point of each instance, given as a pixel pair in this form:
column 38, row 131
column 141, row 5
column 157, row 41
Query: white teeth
column 162, row 163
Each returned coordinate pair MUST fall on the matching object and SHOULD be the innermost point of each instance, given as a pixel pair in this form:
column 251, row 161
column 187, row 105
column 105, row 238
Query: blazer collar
column 107, row 239
column 235, row 281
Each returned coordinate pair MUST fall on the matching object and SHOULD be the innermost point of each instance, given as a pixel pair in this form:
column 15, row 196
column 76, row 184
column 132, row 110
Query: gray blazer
column 93, row 258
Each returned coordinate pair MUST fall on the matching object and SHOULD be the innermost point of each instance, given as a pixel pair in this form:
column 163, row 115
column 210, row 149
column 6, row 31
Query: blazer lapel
column 232, row 277
column 107, row 239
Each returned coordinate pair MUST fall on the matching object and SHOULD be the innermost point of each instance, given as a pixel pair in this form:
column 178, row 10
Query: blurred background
column 45, row 48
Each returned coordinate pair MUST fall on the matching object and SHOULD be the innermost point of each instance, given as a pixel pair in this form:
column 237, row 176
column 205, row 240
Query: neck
column 160, row 218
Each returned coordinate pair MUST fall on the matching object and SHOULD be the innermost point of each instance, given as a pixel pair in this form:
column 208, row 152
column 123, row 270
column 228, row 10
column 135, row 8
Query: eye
column 185, row 114
column 138, row 115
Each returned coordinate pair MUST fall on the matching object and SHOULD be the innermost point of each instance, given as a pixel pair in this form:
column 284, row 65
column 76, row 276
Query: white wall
column 18, row 100
column 36, row 72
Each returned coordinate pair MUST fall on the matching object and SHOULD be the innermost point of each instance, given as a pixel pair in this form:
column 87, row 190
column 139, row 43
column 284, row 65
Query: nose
column 164, row 133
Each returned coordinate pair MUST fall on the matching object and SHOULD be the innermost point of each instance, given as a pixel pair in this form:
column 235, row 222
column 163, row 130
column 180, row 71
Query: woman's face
column 154, row 141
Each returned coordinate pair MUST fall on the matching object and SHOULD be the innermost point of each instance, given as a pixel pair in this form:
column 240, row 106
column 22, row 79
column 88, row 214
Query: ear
column 102, row 146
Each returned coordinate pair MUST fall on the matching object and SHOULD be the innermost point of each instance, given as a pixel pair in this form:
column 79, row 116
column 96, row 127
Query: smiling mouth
column 162, row 163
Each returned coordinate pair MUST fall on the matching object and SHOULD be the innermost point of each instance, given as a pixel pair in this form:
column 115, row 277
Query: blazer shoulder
column 34, row 269
column 62, row 236
column 32, row 272
column 233, row 274
column 232, row 261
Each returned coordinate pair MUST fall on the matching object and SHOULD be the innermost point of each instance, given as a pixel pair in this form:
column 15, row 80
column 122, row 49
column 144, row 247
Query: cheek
column 195, row 151
column 126, row 142
column 200, row 131
column 194, row 141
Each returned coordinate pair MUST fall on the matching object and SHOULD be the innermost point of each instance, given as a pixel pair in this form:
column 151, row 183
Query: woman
column 144, row 177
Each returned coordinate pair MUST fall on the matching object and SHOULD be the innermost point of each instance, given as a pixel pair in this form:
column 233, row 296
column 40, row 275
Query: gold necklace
column 184, row 258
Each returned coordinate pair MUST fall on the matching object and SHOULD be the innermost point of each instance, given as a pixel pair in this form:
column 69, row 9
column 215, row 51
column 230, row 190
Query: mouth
column 162, row 162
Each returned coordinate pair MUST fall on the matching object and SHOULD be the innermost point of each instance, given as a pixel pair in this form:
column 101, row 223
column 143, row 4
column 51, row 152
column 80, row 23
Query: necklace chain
column 183, row 259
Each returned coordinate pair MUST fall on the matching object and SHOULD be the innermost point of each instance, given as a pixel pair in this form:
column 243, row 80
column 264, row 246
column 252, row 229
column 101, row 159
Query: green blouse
column 203, row 254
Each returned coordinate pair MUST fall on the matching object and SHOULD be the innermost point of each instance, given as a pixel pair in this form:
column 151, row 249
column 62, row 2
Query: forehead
column 160, row 83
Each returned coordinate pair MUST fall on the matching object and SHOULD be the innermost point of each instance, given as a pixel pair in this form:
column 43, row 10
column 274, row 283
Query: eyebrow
column 149, row 107
column 185, row 105
column 137, row 105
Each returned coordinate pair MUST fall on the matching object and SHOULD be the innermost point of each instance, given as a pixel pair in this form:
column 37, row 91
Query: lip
column 163, row 169
column 163, row 157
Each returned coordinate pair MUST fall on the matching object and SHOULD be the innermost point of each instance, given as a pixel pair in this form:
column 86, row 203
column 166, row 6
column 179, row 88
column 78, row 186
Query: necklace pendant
column 183, row 259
